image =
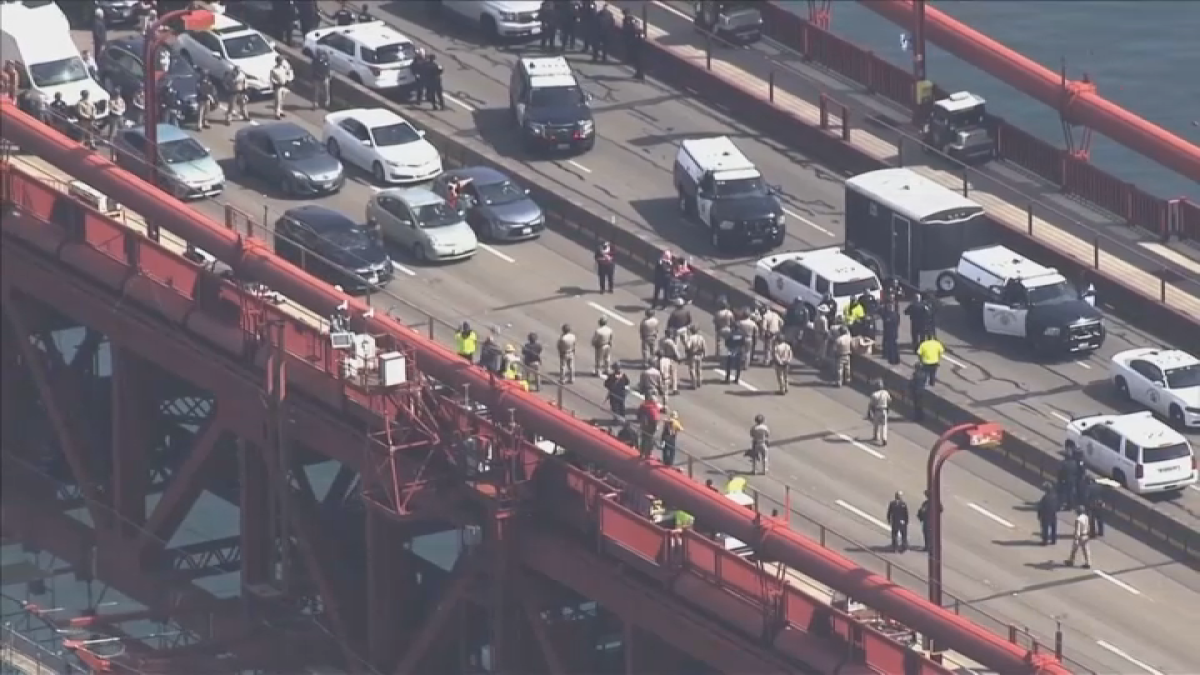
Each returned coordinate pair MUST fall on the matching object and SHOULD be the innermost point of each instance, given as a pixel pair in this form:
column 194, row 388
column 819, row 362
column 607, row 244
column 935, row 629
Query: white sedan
column 1166, row 381
column 384, row 143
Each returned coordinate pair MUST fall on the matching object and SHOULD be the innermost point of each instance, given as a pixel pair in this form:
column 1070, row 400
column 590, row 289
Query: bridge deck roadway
column 537, row 286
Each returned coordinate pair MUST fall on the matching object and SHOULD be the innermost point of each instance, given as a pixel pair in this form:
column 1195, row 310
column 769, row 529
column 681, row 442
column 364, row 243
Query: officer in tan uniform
column 695, row 350
column 648, row 334
column 602, row 341
column 781, row 359
column 566, row 355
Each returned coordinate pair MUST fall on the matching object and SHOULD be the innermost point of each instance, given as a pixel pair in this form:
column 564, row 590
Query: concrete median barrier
column 1019, row 456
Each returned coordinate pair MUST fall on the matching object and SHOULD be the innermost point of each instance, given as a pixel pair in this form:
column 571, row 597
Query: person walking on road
column 929, row 353
column 606, row 267
column 1081, row 537
column 1093, row 499
column 322, row 74
column 897, row 518
column 566, row 355
column 781, row 360
column 616, row 386
column 877, row 412
column 695, row 349
column 531, row 356
column 760, row 441
column 649, row 415
column 891, row 334
column 235, row 89
column 602, row 342
column 648, row 333
column 920, row 318
column 1047, row 513
column 843, row 347
column 722, row 324
column 435, row 95
column 926, row 522
column 735, row 348
column 281, row 79
column 206, row 99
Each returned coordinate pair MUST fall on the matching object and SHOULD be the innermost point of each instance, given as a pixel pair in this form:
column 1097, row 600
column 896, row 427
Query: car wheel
column 1119, row 476
column 420, row 253
column 716, row 239
column 762, row 287
column 332, row 146
column 1175, row 414
column 490, row 31
column 356, row 78
column 1123, row 388
column 239, row 160
column 377, row 172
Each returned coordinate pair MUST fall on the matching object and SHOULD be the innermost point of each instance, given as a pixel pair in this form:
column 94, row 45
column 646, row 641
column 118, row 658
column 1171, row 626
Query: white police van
column 1011, row 295
column 721, row 189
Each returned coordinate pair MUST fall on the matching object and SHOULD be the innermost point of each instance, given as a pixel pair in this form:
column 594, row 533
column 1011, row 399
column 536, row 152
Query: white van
column 38, row 39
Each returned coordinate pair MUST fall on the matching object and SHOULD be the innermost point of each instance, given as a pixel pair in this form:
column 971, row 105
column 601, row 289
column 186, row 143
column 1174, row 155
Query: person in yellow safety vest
column 736, row 485
column 930, row 354
column 855, row 312
column 466, row 342
column 513, row 374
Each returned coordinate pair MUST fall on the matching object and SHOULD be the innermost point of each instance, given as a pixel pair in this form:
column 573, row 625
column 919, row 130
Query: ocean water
column 1143, row 56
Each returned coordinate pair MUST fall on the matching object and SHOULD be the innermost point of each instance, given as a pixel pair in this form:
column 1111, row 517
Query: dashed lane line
column 861, row 446
column 863, row 514
column 744, row 384
column 498, row 253
column 989, row 515
column 808, row 222
column 1117, row 582
column 609, row 313
column 1121, row 653
column 460, row 103
column 402, row 269
column 579, row 166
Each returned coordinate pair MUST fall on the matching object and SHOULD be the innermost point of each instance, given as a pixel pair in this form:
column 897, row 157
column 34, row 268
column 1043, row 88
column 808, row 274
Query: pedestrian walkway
column 1054, row 230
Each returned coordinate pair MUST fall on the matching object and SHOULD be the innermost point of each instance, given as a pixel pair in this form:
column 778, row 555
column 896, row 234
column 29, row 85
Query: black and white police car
column 720, row 189
column 1136, row 450
column 1166, row 381
column 1011, row 295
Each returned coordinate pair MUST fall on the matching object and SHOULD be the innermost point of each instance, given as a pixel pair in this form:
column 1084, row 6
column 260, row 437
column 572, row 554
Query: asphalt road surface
column 836, row 477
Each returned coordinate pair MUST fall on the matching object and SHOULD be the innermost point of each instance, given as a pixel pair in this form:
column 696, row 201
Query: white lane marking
column 1081, row 364
column 636, row 394
column 862, row 446
column 401, row 268
column 1113, row 580
column 498, row 253
column 746, row 385
column 1121, row 653
column 614, row 314
column 462, row 104
column 953, row 360
column 864, row 515
column 579, row 166
column 1060, row 416
column 808, row 222
column 988, row 514
column 674, row 11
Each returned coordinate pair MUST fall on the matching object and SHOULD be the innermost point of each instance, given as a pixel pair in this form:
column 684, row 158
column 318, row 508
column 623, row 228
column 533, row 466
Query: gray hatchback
column 496, row 207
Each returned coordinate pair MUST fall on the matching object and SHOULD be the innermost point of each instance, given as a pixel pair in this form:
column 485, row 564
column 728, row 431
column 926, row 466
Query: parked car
column 372, row 54
column 119, row 66
column 1166, row 381
column 332, row 246
column 496, row 207
column 285, row 154
column 186, row 168
column 382, row 142
column 421, row 221
column 1136, row 450
column 227, row 44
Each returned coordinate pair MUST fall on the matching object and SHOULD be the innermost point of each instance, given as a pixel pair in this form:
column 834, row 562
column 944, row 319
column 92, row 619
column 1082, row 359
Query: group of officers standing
column 584, row 25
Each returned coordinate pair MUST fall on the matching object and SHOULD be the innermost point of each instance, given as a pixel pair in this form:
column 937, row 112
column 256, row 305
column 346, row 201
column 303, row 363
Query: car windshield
column 1051, row 294
column 1182, row 378
column 436, row 215
column 246, row 46
column 62, row 71
column 1166, row 453
column 739, row 188
column 395, row 134
column 853, row 289
column 557, row 97
column 352, row 240
column 504, row 192
column 298, row 147
column 401, row 52
column 181, row 151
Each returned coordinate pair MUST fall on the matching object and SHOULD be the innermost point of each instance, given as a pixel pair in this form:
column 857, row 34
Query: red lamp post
column 980, row 435
column 193, row 19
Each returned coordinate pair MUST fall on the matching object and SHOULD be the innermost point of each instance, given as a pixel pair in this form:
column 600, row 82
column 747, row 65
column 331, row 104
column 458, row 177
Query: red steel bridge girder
column 1078, row 102
column 250, row 259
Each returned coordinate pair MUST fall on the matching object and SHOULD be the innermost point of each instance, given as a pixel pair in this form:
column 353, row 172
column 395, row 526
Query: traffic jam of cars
column 902, row 230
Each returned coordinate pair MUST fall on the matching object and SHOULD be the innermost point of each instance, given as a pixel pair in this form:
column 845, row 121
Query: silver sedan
column 422, row 222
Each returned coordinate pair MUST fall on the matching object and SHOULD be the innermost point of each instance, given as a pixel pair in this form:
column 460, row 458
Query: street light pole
column 193, row 19
column 977, row 435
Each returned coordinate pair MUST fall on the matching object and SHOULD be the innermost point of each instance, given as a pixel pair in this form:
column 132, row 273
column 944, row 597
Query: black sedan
column 284, row 154
column 332, row 246
column 120, row 66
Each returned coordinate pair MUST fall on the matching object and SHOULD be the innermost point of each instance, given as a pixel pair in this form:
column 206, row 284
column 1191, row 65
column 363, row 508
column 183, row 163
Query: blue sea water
column 1143, row 56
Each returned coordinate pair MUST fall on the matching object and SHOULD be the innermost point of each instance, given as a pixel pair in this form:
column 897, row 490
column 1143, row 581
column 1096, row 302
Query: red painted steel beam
column 252, row 259
column 1080, row 105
